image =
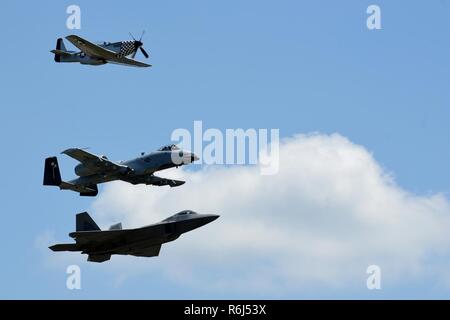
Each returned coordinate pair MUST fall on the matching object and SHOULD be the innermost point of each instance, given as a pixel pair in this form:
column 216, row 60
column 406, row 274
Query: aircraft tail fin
column 84, row 222
column 117, row 226
column 60, row 47
column 52, row 175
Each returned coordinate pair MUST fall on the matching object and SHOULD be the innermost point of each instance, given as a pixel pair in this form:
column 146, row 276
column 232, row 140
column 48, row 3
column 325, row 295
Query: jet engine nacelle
column 82, row 171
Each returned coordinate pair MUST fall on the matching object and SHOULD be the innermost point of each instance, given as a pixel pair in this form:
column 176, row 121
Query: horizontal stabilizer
column 91, row 191
column 69, row 186
column 61, row 53
column 64, row 247
column 83, row 190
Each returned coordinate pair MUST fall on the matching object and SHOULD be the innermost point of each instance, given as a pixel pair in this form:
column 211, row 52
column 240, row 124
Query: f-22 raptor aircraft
column 140, row 242
column 122, row 52
column 95, row 169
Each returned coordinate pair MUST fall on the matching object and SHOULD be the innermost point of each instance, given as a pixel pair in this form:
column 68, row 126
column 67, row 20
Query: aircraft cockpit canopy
column 185, row 212
column 180, row 214
column 170, row 147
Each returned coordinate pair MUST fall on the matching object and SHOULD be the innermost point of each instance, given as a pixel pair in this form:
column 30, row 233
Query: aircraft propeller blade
column 144, row 52
column 143, row 32
column 138, row 44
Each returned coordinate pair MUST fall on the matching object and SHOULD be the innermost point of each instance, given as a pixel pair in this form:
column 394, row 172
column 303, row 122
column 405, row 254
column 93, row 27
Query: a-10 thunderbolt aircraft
column 121, row 52
column 141, row 242
column 94, row 169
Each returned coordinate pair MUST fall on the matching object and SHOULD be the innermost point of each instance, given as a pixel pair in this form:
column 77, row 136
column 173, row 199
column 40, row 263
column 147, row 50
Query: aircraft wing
column 91, row 49
column 129, row 62
column 153, row 180
column 81, row 155
column 100, row 164
column 94, row 50
column 157, row 181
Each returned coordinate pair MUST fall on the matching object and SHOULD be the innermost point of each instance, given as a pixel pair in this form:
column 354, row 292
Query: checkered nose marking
column 126, row 49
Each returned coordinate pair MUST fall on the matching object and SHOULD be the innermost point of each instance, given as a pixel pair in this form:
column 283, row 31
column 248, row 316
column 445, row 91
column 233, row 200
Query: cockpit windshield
column 170, row 147
column 180, row 214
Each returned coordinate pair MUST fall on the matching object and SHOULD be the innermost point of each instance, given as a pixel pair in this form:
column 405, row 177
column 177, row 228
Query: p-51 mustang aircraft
column 122, row 52
column 94, row 169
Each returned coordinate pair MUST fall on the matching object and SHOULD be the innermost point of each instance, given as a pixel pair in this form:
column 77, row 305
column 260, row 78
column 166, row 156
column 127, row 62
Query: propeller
column 139, row 44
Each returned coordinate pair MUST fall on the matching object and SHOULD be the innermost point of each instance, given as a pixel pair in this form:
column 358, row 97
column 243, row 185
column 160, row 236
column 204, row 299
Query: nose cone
column 195, row 221
column 189, row 157
column 210, row 218
column 194, row 157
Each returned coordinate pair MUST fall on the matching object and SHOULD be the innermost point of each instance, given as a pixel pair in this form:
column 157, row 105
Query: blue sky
column 302, row 67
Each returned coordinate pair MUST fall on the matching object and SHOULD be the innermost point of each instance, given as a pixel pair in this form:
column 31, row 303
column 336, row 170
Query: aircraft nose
column 194, row 157
column 211, row 217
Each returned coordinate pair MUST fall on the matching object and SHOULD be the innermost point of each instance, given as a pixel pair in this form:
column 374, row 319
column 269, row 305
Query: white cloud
column 330, row 212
